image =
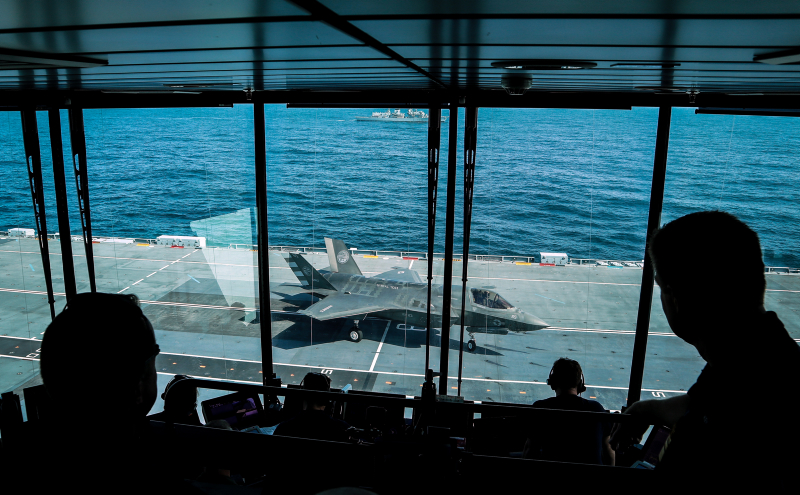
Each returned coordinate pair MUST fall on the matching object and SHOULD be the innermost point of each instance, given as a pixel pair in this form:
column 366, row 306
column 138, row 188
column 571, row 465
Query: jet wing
column 401, row 275
column 340, row 305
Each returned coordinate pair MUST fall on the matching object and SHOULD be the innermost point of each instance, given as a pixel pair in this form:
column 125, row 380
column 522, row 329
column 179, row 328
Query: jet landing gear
column 471, row 345
column 355, row 334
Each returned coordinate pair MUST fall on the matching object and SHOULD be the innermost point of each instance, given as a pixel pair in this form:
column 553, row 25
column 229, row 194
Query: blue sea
column 575, row 181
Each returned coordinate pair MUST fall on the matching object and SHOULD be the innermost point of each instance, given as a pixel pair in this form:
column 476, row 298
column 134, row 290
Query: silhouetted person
column 180, row 404
column 569, row 440
column 739, row 420
column 98, row 365
column 313, row 421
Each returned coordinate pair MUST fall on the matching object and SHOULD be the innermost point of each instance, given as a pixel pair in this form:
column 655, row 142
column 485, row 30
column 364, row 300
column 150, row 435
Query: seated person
column 100, row 441
column 569, row 440
column 181, row 407
column 313, row 421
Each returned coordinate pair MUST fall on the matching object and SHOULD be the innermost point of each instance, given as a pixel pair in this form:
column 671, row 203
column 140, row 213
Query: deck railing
column 415, row 255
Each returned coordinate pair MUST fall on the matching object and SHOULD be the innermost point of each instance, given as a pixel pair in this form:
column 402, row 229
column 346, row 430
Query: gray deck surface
column 202, row 304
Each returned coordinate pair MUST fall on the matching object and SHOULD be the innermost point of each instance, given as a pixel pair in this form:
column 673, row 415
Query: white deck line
column 380, row 346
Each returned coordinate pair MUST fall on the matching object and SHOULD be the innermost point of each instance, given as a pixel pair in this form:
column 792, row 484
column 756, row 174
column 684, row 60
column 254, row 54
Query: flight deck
column 203, row 306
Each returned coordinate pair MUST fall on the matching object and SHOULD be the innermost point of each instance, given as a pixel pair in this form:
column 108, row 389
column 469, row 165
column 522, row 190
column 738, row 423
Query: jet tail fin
column 308, row 276
column 340, row 257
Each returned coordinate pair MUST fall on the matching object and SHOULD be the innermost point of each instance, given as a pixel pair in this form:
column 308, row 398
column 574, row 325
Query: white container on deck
column 21, row 233
column 557, row 259
column 181, row 241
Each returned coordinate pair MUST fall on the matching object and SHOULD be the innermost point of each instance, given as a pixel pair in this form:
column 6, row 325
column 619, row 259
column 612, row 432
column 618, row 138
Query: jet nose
column 534, row 321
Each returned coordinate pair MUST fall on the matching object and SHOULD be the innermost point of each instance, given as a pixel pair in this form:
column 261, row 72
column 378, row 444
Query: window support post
column 79, row 163
column 264, row 313
column 470, row 144
column 434, row 144
column 33, row 160
column 447, row 282
column 62, row 208
column 653, row 223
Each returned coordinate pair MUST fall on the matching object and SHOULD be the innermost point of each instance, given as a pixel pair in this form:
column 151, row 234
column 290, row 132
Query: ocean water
column 575, row 181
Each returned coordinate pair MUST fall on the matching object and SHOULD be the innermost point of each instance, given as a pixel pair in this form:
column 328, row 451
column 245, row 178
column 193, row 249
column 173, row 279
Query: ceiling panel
column 16, row 14
column 598, row 54
column 275, row 45
column 304, row 33
column 287, row 54
column 574, row 7
column 637, row 32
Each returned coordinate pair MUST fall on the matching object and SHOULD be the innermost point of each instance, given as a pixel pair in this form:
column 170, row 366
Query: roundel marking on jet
column 307, row 271
column 343, row 256
column 497, row 323
column 514, row 317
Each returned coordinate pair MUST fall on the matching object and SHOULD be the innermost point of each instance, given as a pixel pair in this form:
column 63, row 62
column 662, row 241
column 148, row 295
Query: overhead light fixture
column 516, row 85
column 779, row 58
column 543, row 64
column 655, row 65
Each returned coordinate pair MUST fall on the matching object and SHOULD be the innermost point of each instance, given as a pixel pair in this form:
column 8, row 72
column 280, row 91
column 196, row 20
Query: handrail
column 379, row 400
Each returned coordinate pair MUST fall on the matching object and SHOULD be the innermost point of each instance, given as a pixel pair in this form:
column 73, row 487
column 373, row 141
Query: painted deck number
column 659, row 394
column 327, row 372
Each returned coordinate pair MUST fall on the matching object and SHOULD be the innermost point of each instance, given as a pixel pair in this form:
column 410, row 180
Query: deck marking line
column 549, row 298
column 409, row 265
column 193, row 278
column 380, row 346
column 20, row 338
column 31, row 265
column 137, row 282
column 123, row 290
column 19, row 357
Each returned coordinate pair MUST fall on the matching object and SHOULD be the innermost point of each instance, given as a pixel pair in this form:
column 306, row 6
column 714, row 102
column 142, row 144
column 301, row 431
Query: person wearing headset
column 181, row 407
column 569, row 441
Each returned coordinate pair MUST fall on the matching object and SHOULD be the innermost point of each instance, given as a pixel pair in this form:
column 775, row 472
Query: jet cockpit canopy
column 489, row 299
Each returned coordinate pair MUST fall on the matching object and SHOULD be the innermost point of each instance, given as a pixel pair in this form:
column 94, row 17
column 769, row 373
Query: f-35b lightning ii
column 400, row 295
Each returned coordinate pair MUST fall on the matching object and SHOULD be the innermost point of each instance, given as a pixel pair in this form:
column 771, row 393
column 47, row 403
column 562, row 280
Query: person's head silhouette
column 103, row 343
column 566, row 377
column 711, row 274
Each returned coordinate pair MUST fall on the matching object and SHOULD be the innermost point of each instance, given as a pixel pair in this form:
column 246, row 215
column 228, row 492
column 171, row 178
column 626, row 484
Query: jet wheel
column 471, row 345
column 356, row 335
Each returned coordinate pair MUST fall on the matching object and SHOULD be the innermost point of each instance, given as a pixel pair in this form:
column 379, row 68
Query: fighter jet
column 400, row 295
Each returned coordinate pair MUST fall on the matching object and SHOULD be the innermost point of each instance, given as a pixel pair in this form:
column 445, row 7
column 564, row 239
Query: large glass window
column 172, row 197
column 348, row 222
column 559, row 222
column 746, row 166
column 25, row 312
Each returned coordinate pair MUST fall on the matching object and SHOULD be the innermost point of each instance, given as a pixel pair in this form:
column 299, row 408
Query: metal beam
column 470, row 144
column 653, row 223
column 447, row 287
column 33, row 160
column 264, row 314
column 79, row 163
column 336, row 21
column 434, row 143
column 62, row 208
